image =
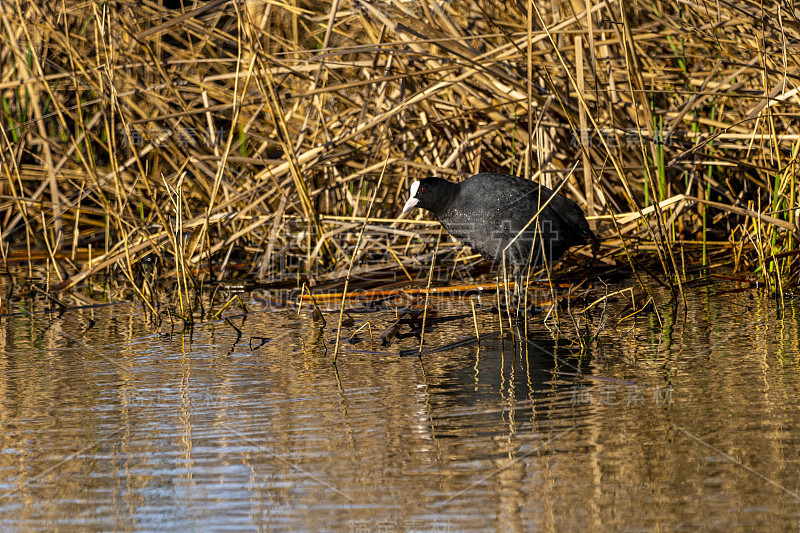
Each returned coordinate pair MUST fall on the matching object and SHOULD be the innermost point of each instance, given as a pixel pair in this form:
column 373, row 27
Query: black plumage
column 494, row 213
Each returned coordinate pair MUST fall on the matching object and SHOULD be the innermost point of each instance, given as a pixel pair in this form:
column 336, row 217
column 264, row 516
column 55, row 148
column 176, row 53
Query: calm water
column 691, row 423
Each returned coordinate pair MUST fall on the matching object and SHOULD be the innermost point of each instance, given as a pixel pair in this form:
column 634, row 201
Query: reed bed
column 201, row 141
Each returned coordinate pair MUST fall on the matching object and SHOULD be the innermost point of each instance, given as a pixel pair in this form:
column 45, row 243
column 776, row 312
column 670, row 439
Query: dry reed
column 232, row 139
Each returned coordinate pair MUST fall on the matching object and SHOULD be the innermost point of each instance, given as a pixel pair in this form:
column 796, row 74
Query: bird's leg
column 519, row 295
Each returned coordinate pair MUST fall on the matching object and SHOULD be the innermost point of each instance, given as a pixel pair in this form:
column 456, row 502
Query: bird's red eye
column 423, row 189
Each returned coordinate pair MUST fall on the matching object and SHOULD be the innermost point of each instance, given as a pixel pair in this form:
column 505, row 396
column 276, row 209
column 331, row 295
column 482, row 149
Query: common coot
column 496, row 212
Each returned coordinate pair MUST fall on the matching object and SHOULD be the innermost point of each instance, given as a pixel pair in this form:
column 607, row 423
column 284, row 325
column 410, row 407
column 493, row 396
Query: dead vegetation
column 228, row 139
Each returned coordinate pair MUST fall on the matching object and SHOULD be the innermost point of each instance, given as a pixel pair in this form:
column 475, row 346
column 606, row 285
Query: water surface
column 671, row 423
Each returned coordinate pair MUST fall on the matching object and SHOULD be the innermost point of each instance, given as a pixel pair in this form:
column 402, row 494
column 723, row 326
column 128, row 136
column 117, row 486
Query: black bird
column 493, row 213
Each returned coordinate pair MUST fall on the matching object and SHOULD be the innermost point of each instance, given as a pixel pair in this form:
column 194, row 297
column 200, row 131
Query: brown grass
column 228, row 139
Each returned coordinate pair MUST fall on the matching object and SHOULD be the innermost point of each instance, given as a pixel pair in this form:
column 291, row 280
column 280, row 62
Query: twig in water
column 428, row 292
column 352, row 260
